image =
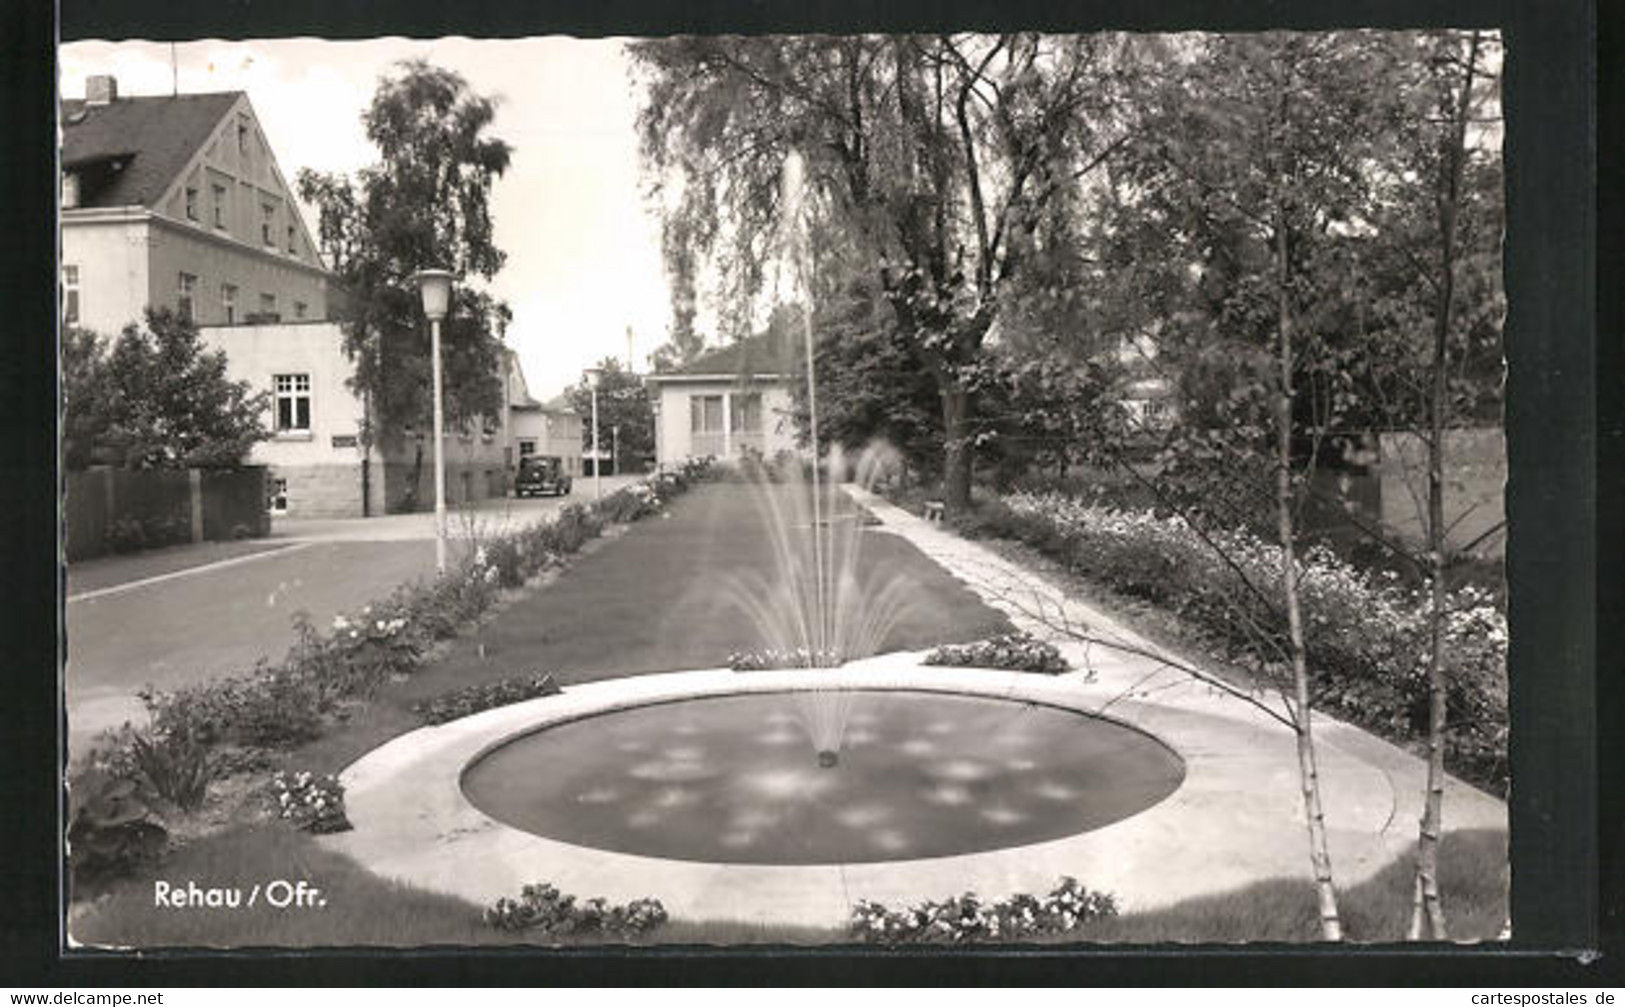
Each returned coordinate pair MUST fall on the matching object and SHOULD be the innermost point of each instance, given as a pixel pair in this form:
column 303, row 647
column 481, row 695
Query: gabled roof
column 154, row 137
column 755, row 357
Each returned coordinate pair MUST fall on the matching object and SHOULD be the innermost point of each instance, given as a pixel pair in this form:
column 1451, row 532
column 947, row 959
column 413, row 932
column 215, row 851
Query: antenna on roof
column 174, row 73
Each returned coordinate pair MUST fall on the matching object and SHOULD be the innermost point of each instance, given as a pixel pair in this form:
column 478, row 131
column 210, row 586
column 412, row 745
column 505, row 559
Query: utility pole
column 629, row 368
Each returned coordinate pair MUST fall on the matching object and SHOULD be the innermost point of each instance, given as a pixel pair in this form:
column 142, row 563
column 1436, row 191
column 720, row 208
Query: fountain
column 708, row 768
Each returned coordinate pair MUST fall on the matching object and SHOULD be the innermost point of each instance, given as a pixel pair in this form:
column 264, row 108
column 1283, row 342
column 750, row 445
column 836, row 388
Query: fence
column 123, row 510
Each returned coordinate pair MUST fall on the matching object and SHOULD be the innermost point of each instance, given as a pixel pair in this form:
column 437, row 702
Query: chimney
column 101, row 89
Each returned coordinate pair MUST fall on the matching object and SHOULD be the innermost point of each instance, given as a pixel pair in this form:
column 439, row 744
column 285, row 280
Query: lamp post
column 435, row 287
column 615, row 447
column 594, row 376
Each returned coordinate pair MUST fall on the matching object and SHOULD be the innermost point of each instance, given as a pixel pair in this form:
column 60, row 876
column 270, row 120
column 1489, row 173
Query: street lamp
column 435, row 287
column 594, row 376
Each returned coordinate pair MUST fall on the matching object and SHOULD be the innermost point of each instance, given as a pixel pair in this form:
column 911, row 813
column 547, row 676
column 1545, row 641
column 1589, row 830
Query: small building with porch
column 719, row 406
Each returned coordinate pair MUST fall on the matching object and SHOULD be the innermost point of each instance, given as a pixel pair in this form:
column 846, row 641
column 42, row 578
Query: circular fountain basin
column 741, row 779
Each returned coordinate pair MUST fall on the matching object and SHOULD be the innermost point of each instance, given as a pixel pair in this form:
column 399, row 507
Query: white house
column 718, row 406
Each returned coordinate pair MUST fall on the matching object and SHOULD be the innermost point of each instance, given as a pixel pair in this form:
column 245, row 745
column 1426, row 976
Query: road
column 181, row 616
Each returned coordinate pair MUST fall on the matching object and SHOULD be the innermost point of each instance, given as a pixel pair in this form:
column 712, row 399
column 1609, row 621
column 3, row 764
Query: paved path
column 197, row 613
column 1373, row 790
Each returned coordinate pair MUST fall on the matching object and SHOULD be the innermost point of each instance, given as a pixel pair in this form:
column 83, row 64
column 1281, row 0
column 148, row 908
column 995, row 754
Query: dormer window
column 191, row 203
column 293, row 241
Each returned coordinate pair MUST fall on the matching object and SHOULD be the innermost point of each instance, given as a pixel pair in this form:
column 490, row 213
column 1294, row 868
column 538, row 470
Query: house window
column 279, row 496
column 242, row 138
column 293, row 243
column 186, row 287
column 1154, row 411
column 218, row 192
column 705, row 414
column 299, row 309
column 292, row 402
column 267, row 215
column 746, row 413
column 191, row 203
column 527, row 447
column 70, row 294
column 228, row 301
column 268, row 305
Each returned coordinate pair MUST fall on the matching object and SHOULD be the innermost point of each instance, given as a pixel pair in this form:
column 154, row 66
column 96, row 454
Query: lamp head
column 435, row 286
column 594, row 376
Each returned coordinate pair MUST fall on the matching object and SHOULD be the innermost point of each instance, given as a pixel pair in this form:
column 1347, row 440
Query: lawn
column 362, row 909
column 648, row 601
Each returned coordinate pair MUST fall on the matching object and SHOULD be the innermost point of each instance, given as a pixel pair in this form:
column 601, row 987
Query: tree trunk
column 956, row 474
column 1427, row 908
column 1320, row 860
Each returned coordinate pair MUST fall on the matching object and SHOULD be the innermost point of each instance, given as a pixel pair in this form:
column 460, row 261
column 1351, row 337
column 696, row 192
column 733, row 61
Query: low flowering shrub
column 780, row 660
column 475, row 698
column 309, row 802
column 966, row 919
column 544, row 908
column 1366, row 634
column 1012, row 652
column 111, row 826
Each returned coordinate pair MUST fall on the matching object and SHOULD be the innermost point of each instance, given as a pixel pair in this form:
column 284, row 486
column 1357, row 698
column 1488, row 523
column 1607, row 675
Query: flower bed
column 966, row 919
column 546, row 909
column 1012, row 652
column 198, row 733
column 1366, row 635
column 309, row 802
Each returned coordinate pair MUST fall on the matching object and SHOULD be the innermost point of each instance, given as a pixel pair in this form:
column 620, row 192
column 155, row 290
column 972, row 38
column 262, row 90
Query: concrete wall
column 554, row 433
column 1474, row 486
column 110, row 250
column 324, row 476
column 129, row 259
column 175, row 248
column 674, row 436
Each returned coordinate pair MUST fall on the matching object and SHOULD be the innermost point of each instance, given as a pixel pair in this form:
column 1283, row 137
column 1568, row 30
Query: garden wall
column 109, row 509
column 1474, row 487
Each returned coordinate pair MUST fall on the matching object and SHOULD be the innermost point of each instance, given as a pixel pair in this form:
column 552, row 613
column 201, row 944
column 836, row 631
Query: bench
column 934, row 509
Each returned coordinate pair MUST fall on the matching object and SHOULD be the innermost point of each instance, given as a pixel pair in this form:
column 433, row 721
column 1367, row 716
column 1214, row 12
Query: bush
column 966, row 919
column 475, row 698
column 309, row 802
column 1012, row 652
column 177, row 765
column 543, row 907
column 777, row 660
column 111, row 827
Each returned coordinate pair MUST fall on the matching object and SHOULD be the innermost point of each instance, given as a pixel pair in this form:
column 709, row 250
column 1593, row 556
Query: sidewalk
column 484, row 517
column 1372, row 789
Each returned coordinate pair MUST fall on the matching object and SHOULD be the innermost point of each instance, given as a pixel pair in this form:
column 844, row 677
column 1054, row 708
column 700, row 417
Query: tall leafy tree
column 156, row 397
column 625, row 415
column 425, row 204
column 932, row 165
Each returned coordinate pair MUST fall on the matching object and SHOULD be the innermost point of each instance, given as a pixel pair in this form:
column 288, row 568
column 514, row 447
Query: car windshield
column 534, row 464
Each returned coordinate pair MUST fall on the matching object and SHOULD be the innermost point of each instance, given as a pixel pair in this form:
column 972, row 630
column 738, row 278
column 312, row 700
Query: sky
column 583, row 244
